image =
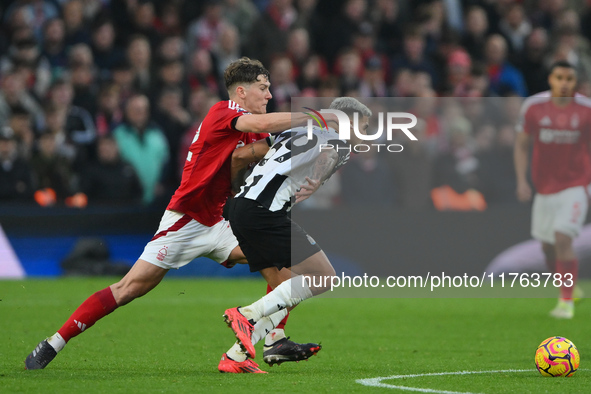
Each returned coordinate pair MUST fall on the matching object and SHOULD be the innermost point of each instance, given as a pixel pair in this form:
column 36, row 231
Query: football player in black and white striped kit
column 294, row 167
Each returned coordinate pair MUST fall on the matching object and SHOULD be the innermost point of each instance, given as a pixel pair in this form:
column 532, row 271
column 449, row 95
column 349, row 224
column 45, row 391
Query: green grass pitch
column 172, row 339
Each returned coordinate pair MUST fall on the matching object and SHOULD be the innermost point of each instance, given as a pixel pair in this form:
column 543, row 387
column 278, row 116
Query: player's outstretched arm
column 243, row 157
column 521, row 159
column 323, row 167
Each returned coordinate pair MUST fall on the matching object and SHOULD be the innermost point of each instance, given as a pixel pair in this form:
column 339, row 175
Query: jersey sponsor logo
column 555, row 136
column 545, row 121
column 240, row 144
column 162, row 253
column 234, row 106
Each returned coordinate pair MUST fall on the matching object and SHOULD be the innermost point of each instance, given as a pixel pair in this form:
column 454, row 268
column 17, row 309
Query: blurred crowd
column 100, row 99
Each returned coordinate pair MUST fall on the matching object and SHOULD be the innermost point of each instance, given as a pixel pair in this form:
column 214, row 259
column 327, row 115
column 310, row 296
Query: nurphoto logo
column 394, row 121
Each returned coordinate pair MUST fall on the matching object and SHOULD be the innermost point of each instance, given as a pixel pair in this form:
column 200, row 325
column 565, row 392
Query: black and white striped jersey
column 274, row 181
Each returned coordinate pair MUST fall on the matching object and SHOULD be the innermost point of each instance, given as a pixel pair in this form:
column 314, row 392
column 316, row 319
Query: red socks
column 281, row 324
column 97, row 306
column 564, row 267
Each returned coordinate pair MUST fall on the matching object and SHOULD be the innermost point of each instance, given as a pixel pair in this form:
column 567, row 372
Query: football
column 557, row 356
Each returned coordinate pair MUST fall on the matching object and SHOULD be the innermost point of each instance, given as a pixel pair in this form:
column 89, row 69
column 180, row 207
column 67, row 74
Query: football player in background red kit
column 558, row 124
column 192, row 225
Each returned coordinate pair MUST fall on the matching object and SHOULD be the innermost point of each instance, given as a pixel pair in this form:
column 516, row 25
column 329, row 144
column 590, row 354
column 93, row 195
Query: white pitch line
column 377, row 382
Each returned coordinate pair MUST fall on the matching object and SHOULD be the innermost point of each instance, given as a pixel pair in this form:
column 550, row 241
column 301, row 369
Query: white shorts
column 180, row 239
column 563, row 212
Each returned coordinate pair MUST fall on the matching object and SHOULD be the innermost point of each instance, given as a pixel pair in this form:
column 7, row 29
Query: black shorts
column 268, row 239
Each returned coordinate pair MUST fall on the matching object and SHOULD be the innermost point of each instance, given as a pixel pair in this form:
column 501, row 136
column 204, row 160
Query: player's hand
column 523, row 192
column 306, row 190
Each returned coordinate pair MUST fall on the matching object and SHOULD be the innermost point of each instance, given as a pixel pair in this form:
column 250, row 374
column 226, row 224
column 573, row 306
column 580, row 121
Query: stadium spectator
column 139, row 56
column 174, row 121
column 227, row 48
column 504, row 78
column 110, row 180
column 515, row 27
column 144, row 22
column 171, row 48
column 412, row 172
column 106, row 53
column 168, row 20
column 14, row 94
column 272, row 30
column 477, row 29
column 54, row 47
column 79, row 130
column 532, row 63
column 171, row 74
column 373, row 82
column 349, row 69
column 205, row 32
column 109, row 111
column 298, row 49
column 21, row 124
column 85, row 87
column 458, row 73
column 312, row 74
column 388, row 26
column 414, row 56
column 570, row 47
column 241, row 14
column 335, row 39
column 25, row 57
column 283, row 86
column 457, row 167
column 123, row 77
column 143, row 144
column 77, row 31
column 32, row 13
column 51, row 169
column 202, row 73
column 16, row 183
column 496, row 175
column 55, row 122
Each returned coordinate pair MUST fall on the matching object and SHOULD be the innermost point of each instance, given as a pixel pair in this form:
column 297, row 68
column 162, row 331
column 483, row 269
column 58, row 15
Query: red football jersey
column 205, row 184
column 561, row 135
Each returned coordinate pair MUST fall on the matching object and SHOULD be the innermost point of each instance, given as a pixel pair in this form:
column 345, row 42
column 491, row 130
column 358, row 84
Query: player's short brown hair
column 244, row 70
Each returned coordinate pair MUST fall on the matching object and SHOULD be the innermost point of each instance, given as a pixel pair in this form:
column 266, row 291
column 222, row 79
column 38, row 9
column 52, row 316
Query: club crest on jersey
column 162, row 253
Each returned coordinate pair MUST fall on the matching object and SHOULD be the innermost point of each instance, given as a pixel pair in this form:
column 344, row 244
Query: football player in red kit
column 192, row 225
column 558, row 124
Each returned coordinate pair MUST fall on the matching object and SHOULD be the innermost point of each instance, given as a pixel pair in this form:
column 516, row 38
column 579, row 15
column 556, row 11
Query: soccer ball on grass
column 557, row 356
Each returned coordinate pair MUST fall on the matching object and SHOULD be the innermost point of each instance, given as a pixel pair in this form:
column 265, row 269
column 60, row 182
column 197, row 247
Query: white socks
column 287, row 294
column 274, row 336
column 56, row 341
column 261, row 328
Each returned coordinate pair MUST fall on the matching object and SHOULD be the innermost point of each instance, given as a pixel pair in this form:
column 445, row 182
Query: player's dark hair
column 560, row 63
column 244, row 70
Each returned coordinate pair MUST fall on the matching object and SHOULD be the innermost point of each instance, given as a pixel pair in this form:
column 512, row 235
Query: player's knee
column 563, row 243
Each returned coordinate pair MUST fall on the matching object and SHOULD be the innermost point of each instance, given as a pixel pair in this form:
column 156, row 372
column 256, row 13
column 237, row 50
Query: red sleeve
column 223, row 115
